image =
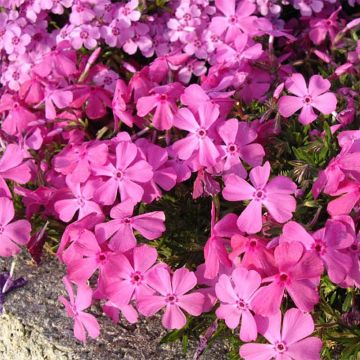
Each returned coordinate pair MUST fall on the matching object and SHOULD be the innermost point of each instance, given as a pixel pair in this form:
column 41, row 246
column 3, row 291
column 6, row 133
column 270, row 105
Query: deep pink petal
column 289, row 105
column 280, row 206
column 237, row 189
column 250, row 220
column 296, row 85
column 192, row 303
column 185, row 120
column 173, row 318
column 144, row 257
column 325, row 103
column 7, row 212
column 255, row 351
column 307, row 115
column 230, row 313
column 259, row 175
column 183, row 281
column 267, row 299
column 303, row 294
column 150, row 225
column 306, row 349
column 318, row 85
column 225, row 291
column 246, row 282
column 248, row 329
column 91, row 325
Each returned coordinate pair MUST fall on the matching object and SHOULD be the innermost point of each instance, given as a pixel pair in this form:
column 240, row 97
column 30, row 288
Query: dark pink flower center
column 280, row 347
column 115, row 31
column 84, row 34
column 232, row 148
column 354, row 247
column 163, row 97
column 187, row 17
column 126, row 11
column 119, row 174
column 15, row 40
column 81, row 201
column 241, row 304
column 102, row 257
column 16, row 75
column 283, row 277
column 233, row 19
column 197, row 43
column 319, row 247
column 171, row 299
column 259, row 194
column 127, row 220
column 307, row 99
column 201, row 133
column 136, row 277
column 1, row 229
column 253, row 243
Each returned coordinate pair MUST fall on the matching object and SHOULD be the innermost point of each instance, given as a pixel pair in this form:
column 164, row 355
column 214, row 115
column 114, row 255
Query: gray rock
column 34, row 326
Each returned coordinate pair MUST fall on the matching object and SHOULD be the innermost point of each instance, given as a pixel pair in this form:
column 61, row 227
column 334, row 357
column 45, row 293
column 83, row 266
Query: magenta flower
column 292, row 343
column 133, row 275
column 83, row 322
column 85, row 255
column 13, row 167
column 120, row 231
column 307, row 98
column 199, row 140
column 298, row 272
column 235, row 293
column 238, row 140
column 123, row 177
column 80, row 200
column 164, row 100
column 275, row 195
column 11, row 234
column 328, row 243
column 172, row 295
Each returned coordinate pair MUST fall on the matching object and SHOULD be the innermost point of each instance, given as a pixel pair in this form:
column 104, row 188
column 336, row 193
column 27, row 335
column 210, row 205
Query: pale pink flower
column 15, row 41
column 12, row 234
column 128, row 13
column 172, row 295
column 307, row 7
column 307, row 98
column 235, row 293
column 275, row 195
column 292, row 343
column 83, row 322
column 84, row 35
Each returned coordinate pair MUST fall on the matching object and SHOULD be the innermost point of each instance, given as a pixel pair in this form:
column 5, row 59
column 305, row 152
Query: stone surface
column 35, row 327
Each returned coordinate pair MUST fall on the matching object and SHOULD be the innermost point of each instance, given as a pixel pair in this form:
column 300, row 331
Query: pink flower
column 235, row 293
column 233, row 20
column 321, row 27
column 13, row 167
column 80, row 200
column 307, row 98
column 85, row 255
column 127, row 13
column 238, row 140
column 275, row 195
column 83, row 322
column 84, row 35
column 199, row 140
column 164, row 101
column 121, row 229
column 298, row 272
column 328, row 243
column 123, row 177
column 291, row 343
column 15, row 41
column 11, row 234
column 172, row 295
column 133, row 274
column 307, row 7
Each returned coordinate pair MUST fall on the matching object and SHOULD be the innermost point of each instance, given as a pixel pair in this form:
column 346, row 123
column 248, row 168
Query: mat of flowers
column 194, row 158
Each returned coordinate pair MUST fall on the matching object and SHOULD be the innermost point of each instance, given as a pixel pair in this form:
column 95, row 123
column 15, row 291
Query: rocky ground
column 34, row 326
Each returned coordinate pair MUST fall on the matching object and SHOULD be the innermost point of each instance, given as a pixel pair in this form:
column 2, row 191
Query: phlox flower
column 307, row 98
column 239, row 145
column 131, row 279
column 120, row 230
column 15, row 41
column 307, row 7
column 199, row 140
column 56, row 6
column 172, row 295
column 128, row 13
column 80, row 200
column 84, row 35
column 124, row 176
column 163, row 98
column 84, row 323
column 275, row 195
column 235, row 293
column 292, row 342
column 12, row 234
column 298, row 272
column 327, row 243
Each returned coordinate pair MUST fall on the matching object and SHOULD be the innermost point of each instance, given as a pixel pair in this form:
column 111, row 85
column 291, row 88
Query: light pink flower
column 275, row 195
column 292, row 343
column 298, row 272
column 307, row 7
column 235, row 293
column 11, row 234
column 83, row 322
column 15, row 41
column 120, row 230
column 84, row 35
column 307, row 98
column 172, row 295
column 199, row 140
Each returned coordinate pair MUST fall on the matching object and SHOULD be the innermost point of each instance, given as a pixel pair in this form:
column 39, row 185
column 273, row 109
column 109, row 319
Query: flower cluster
column 112, row 109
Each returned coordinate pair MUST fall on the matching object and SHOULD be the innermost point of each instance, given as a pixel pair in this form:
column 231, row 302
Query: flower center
column 232, row 148
column 136, row 277
column 119, row 175
column 319, row 247
column 201, row 133
column 115, row 31
column 163, row 97
column 81, row 201
column 1, row 229
column 233, row 19
column 253, row 243
column 241, row 304
column 171, row 299
column 15, row 40
column 84, row 34
column 102, row 257
column 280, row 347
column 259, row 194
column 283, row 277
column 354, row 247
column 127, row 221
column 307, row 99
